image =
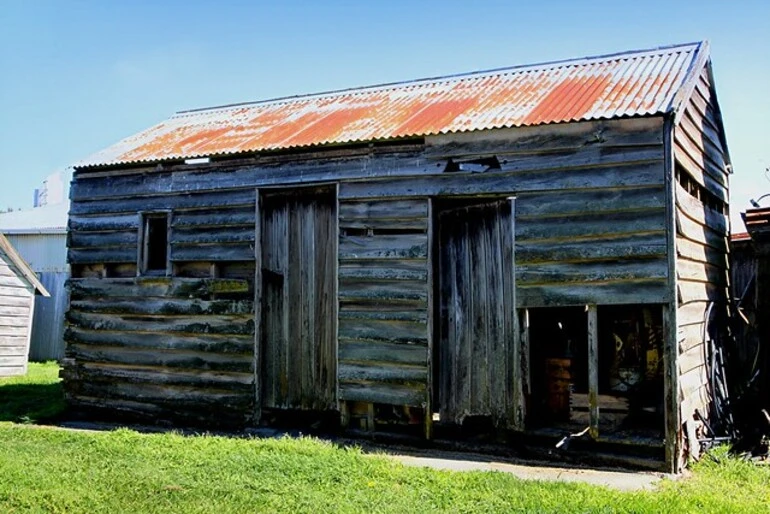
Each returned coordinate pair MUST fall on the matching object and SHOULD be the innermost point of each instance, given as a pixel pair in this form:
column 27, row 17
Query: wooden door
column 476, row 298
column 298, row 285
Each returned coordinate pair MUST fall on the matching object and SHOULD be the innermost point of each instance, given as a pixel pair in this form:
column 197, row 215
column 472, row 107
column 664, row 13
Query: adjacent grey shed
column 18, row 287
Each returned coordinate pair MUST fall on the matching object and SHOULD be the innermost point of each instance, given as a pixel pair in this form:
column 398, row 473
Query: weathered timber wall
column 383, row 292
column 590, row 209
column 166, row 347
column 590, row 221
column 16, row 309
column 701, row 242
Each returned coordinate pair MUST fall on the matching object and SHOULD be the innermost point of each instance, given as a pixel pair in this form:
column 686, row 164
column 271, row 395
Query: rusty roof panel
column 628, row 84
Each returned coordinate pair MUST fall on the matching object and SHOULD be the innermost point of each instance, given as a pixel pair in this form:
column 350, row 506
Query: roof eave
column 22, row 266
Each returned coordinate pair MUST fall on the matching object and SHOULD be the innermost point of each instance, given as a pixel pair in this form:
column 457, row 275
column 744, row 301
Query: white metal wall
column 47, row 256
column 43, row 252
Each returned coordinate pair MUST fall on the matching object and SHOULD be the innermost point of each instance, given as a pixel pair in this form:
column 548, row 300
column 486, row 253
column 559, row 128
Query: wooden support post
column 593, row 370
column 673, row 415
column 517, row 375
column 671, row 387
column 431, row 327
column 344, row 414
column 370, row 417
column 526, row 354
column 257, row 313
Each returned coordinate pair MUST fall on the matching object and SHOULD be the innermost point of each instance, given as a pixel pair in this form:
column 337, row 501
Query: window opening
column 155, row 243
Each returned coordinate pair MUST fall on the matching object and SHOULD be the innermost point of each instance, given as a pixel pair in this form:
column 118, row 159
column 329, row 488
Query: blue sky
column 77, row 76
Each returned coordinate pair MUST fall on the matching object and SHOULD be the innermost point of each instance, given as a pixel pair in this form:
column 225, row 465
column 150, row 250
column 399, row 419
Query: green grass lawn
column 45, row 469
column 34, row 397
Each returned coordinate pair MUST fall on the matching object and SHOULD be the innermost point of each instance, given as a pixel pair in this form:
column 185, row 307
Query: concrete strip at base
column 620, row 480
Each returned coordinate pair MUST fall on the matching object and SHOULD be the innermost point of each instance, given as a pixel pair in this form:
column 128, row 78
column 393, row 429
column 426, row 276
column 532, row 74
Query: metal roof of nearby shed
column 49, row 219
column 634, row 83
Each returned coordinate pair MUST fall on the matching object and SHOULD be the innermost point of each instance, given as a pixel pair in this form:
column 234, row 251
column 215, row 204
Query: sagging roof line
column 438, row 78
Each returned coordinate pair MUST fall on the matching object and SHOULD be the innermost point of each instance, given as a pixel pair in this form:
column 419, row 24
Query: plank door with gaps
column 475, row 351
column 298, row 289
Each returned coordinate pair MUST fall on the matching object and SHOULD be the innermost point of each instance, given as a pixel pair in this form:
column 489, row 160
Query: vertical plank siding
column 701, row 242
column 476, row 305
column 298, row 360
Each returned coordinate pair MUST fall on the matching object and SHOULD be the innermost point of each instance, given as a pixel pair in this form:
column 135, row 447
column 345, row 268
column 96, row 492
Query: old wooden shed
column 529, row 250
column 18, row 287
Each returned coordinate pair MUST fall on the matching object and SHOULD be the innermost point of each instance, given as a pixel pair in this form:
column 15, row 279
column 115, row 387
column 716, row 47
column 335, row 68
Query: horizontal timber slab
column 463, row 184
column 11, row 282
column 700, row 272
column 557, row 272
column 119, row 238
column 389, row 394
column 13, row 351
column 583, row 202
column 700, row 213
column 15, row 361
column 286, row 172
column 383, row 209
column 700, row 234
column 701, row 253
column 389, row 331
column 129, row 221
column 178, row 202
column 169, row 376
column 188, row 397
column 614, row 293
column 382, row 290
column 626, row 247
column 382, row 352
column 375, row 313
column 386, row 269
column 97, row 255
column 81, row 288
column 161, row 359
column 689, row 291
column 164, row 306
column 599, row 133
column 382, row 373
column 400, row 246
column 224, row 217
column 592, row 225
column 231, row 324
column 213, row 235
column 162, row 341
column 212, row 252
column 14, row 331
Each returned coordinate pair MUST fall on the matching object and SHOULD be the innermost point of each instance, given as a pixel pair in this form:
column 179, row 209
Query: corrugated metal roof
column 627, row 84
column 49, row 219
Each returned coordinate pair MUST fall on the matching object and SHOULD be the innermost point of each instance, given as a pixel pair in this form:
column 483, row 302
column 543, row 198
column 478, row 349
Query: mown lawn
column 53, row 470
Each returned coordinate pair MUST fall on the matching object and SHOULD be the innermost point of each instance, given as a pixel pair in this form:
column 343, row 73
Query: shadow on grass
column 31, row 403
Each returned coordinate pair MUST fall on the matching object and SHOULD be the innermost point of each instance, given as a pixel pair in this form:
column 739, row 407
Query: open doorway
column 631, row 371
column 627, row 367
column 558, row 374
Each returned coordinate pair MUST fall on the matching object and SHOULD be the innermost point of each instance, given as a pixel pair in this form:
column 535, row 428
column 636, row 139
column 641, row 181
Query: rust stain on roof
column 628, row 84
